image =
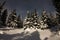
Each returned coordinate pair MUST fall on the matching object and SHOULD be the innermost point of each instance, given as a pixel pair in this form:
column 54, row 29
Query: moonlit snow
column 27, row 34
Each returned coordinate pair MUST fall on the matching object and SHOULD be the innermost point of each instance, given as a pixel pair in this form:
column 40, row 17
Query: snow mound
column 29, row 30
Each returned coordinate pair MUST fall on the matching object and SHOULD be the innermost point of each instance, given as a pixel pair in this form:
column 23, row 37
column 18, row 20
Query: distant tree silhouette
column 19, row 22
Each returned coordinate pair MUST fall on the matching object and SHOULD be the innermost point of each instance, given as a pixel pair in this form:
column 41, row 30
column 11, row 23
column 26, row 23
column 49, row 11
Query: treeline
column 9, row 21
column 32, row 20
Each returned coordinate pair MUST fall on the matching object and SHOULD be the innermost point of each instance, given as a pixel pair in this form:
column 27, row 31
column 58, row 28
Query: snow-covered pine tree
column 19, row 22
column 4, row 17
column 35, row 20
column 27, row 21
column 12, row 20
column 44, row 19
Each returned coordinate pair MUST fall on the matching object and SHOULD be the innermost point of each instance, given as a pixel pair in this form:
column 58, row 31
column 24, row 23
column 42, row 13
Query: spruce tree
column 32, row 20
column 44, row 20
column 2, row 5
column 27, row 21
column 56, row 3
column 35, row 19
column 4, row 17
column 12, row 19
column 1, row 9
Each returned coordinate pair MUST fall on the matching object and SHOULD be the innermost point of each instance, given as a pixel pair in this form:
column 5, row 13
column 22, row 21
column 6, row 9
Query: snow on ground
column 28, row 34
column 1, row 32
column 14, row 31
column 55, row 37
column 44, row 33
column 11, row 31
column 28, row 30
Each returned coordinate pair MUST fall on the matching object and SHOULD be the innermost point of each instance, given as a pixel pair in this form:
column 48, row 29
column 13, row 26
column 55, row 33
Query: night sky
column 22, row 6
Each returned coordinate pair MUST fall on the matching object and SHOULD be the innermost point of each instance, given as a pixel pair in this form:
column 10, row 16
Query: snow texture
column 28, row 34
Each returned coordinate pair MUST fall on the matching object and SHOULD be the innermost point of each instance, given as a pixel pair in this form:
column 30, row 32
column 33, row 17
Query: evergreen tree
column 44, row 16
column 1, row 9
column 19, row 22
column 44, row 20
column 27, row 21
column 4, row 17
column 35, row 19
column 2, row 5
column 32, row 20
column 56, row 3
column 12, row 19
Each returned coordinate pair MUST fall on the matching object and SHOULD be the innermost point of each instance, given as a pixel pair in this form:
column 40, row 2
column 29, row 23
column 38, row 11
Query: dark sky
column 22, row 5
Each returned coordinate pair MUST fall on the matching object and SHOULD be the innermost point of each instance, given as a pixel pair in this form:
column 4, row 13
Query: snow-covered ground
column 28, row 34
